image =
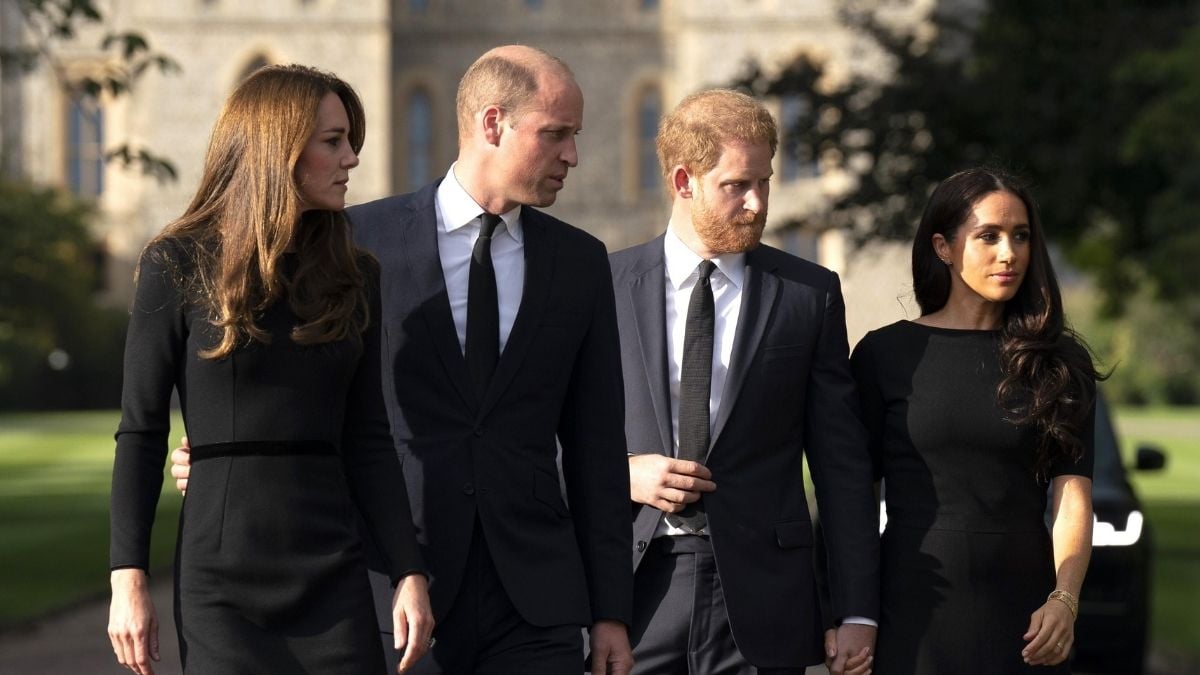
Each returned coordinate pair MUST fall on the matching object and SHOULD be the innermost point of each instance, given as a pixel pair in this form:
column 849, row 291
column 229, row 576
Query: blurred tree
column 57, row 348
column 1094, row 100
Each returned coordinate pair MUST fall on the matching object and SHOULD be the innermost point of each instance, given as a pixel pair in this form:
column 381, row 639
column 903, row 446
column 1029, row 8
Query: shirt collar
column 682, row 261
column 458, row 209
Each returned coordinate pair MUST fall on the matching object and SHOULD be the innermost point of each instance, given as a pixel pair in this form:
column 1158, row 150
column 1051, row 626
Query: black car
column 1113, row 628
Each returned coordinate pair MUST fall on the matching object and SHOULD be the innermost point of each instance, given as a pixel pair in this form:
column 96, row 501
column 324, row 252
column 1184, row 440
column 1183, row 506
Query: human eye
column 1023, row 235
column 989, row 236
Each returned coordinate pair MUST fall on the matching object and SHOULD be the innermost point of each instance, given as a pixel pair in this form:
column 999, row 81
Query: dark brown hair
column 247, row 213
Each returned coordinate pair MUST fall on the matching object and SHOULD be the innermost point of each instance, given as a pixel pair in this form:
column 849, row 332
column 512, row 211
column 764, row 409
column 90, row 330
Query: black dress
column 966, row 554
column 287, row 441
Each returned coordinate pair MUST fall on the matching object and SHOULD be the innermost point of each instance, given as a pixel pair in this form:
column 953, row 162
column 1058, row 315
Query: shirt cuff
column 861, row 620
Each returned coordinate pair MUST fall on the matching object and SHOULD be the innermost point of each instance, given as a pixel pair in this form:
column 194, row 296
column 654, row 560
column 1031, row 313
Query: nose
column 570, row 154
column 756, row 201
column 1004, row 250
column 351, row 160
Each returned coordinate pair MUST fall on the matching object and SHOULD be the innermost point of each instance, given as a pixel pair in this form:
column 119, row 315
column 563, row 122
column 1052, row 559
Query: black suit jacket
column 789, row 390
column 495, row 459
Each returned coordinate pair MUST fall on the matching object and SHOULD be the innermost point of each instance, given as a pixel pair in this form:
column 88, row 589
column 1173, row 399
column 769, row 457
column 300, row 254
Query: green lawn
column 1172, row 501
column 55, row 470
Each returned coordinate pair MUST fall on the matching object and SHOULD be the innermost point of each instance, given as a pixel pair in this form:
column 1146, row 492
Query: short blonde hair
column 501, row 77
column 692, row 135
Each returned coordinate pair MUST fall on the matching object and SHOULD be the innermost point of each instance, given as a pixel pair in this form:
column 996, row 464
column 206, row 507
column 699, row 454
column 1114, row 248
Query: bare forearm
column 1072, row 531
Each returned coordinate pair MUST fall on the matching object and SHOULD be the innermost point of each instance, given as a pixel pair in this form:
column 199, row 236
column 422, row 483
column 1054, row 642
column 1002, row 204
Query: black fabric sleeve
column 594, row 458
column 372, row 467
column 154, row 352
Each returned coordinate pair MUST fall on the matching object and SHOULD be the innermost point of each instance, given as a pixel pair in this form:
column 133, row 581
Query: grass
column 55, row 471
column 1172, row 502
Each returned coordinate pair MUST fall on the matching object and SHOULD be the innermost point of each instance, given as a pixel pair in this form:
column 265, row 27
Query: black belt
column 262, row 449
column 681, row 543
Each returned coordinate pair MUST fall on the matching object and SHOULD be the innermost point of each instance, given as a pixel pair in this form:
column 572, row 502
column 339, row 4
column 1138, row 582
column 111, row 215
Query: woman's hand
column 132, row 622
column 412, row 619
column 1050, row 636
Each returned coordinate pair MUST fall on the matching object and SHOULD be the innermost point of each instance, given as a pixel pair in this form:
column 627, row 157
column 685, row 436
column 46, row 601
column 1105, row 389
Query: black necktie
column 695, row 383
column 483, row 309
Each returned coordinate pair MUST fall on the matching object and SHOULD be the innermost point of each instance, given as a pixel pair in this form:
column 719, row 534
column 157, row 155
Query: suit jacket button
column 641, row 546
column 468, row 489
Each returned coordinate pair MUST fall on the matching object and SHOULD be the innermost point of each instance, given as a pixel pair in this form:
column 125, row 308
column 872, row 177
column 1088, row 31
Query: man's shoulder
column 373, row 211
column 789, row 266
column 567, row 234
column 635, row 259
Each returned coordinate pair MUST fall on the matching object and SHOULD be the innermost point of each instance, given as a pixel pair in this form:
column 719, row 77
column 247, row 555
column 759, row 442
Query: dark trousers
column 483, row 633
column 680, row 624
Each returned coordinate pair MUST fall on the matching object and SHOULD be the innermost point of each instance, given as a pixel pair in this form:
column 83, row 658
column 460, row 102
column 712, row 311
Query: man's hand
column 611, row 654
column 852, row 647
column 666, row 483
column 181, row 465
column 412, row 620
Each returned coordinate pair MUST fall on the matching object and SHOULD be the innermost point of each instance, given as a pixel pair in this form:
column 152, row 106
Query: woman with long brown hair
column 256, row 306
column 974, row 409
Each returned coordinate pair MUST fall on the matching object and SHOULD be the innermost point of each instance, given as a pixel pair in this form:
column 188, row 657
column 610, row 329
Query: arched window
column 795, row 159
column 535, row 5
column 420, row 139
column 85, row 147
column 418, row 6
column 649, row 110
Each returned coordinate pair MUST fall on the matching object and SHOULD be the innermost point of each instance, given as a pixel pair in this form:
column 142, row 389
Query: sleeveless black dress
column 966, row 553
column 290, row 444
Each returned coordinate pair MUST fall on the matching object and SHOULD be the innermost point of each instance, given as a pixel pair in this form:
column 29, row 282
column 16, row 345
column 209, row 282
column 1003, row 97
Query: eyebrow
column 984, row 226
column 338, row 130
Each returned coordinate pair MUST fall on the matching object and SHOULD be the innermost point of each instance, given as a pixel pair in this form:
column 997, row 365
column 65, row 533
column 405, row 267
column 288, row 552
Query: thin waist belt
column 262, row 449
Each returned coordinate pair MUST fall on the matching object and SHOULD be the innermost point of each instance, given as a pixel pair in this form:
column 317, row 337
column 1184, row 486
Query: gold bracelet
column 1067, row 599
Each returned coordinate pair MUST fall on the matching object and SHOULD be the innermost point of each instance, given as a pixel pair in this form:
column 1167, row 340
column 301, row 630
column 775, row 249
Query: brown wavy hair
column 247, row 213
column 1049, row 374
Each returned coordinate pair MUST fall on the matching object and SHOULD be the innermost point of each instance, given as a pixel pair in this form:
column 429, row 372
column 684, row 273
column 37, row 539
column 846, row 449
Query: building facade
column 634, row 59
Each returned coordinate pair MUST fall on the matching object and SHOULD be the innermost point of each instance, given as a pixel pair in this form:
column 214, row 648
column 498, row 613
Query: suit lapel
column 539, row 247
column 760, row 292
column 420, row 247
column 647, row 294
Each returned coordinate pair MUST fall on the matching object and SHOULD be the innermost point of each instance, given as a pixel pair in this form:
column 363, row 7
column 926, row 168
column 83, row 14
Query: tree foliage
column 57, row 348
column 1094, row 101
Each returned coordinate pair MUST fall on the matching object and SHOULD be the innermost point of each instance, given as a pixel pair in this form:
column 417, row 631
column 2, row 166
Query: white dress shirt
column 726, row 282
column 458, row 228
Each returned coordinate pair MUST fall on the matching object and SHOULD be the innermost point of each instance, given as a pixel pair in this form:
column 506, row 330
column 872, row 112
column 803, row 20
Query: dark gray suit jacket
column 789, row 391
column 494, row 459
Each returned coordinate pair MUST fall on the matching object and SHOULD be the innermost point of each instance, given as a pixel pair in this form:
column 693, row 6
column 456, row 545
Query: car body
column 1112, row 632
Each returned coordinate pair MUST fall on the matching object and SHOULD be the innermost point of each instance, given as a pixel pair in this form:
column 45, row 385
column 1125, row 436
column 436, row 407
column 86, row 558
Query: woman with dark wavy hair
column 256, row 306
column 973, row 410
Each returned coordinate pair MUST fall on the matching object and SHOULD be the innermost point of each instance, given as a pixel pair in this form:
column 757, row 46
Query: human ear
column 492, row 119
column 942, row 248
column 681, row 182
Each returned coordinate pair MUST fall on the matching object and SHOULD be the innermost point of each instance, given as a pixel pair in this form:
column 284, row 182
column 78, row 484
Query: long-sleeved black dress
column 966, row 554
column 287, row 440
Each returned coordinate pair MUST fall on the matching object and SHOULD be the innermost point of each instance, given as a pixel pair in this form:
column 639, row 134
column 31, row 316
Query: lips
column 1007, row 277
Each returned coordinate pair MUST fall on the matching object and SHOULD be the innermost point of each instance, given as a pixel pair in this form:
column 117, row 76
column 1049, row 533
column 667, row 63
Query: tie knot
column 705, row 270
column 488, row 224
